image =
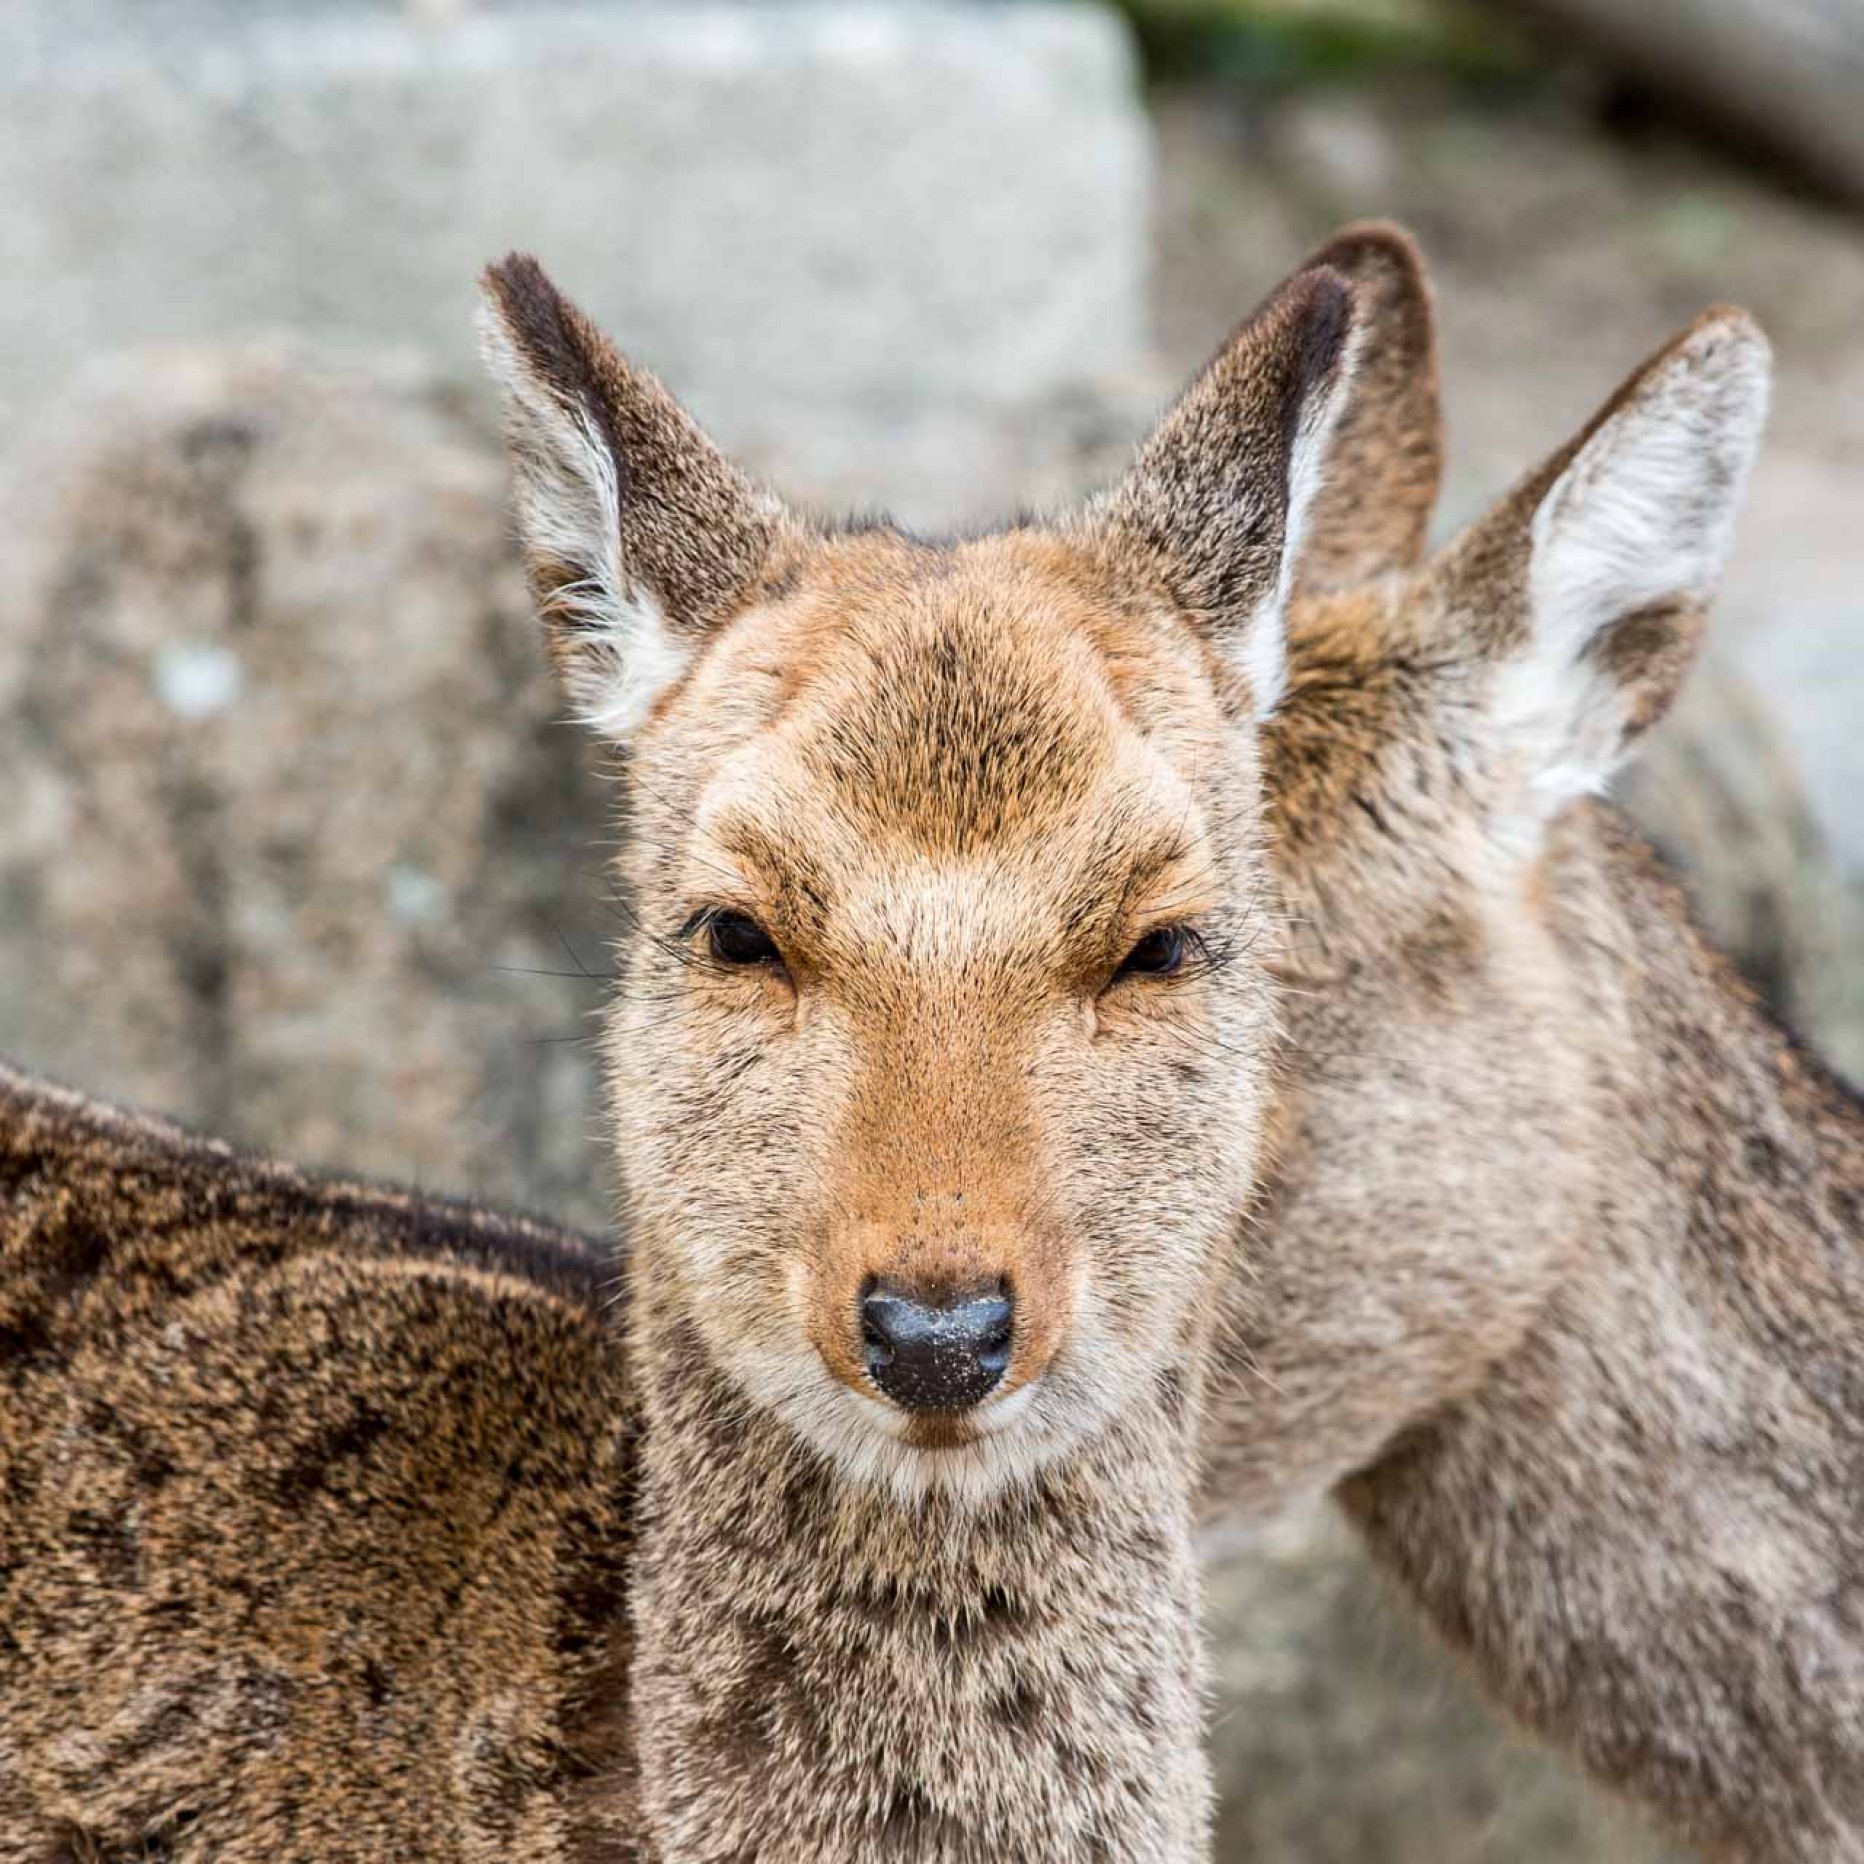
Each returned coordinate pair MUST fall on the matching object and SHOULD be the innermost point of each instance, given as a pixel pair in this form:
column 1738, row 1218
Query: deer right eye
column 737, row 938
column 1161, row 953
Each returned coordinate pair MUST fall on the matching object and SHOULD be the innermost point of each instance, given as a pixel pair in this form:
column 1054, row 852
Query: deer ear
column 638, row 535
column 1384, row 466
column 1588, row 584
column 1215, row 501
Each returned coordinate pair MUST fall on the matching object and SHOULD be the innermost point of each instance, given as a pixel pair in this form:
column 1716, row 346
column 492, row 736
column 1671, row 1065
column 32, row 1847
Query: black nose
column 928, row 1357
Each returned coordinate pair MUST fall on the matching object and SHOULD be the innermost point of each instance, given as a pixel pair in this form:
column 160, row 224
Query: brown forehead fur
column 953, row 696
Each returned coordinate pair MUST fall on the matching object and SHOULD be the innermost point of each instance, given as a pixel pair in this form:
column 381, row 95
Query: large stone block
column 290, row 838
column 865, row 240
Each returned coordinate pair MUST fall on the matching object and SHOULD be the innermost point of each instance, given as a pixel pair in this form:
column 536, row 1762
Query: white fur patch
column 1081, row 1392
column 1643, row 516
column 621, row 653
column 1263, row 654
column 865, row 1438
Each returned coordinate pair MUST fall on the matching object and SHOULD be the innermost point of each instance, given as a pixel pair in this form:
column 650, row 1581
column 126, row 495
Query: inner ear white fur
column 1263, row 653
column 1643, row 516
column 618, row 653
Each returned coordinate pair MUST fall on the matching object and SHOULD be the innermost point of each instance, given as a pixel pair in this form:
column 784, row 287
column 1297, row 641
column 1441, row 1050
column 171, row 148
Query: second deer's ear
column 1215, row 502
column 1586, row 586
column 638, row 535
column 1385, row 462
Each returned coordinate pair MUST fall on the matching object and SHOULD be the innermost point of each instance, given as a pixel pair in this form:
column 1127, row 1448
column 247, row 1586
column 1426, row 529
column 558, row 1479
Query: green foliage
column 1290, row 42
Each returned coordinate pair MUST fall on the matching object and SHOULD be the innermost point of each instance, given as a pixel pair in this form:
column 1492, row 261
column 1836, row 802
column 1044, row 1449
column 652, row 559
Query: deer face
column 945, row 1057
column 941, row 1054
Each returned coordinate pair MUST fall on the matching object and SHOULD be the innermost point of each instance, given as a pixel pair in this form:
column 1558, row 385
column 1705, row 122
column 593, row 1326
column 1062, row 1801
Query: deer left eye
column 737, row 939
column 1159, row 954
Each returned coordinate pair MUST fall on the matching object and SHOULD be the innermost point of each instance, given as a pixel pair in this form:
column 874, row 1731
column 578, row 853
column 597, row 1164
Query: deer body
column 819, row 1675
column 1645, row 1528
column 318, row 1500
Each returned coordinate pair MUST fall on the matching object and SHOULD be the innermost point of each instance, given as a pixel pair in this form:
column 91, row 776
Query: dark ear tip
column 539, row 321
column 1322, row 303
column 516, row 283
column 1397, row 306
column 1378, row 251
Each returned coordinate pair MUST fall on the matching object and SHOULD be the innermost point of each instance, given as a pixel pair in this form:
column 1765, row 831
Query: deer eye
column 737, row 938
column 1159, row 954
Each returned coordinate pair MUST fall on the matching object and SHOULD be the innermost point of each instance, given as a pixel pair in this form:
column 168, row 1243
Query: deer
column 959, row 845
column 940, row 1061
column 1577, row 1342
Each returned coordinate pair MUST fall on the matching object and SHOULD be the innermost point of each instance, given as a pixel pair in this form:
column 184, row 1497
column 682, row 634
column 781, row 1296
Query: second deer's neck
column 1647, row 1527
column 823, row 1672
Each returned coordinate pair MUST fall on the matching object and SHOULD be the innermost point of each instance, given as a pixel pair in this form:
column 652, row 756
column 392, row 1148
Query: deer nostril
column 936, row 1356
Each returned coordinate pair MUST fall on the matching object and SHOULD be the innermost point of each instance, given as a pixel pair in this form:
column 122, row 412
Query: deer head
column 1427, row 775
column 941, row 1056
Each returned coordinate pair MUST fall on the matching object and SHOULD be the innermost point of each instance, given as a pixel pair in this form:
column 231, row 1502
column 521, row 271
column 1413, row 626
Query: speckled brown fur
column 316, row 1510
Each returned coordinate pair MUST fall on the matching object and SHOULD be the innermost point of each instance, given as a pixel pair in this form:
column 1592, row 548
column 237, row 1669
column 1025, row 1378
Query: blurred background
column 291, row 843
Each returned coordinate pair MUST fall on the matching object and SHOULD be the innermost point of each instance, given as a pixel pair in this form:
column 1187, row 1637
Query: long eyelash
column 1211, row 956
column 687, row 948
column 680, row 945
column 1206, row 955
column 1201, row 958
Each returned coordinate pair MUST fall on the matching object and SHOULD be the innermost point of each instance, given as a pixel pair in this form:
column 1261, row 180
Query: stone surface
column 1795, row 613
column 290, row 827
column 902, row 237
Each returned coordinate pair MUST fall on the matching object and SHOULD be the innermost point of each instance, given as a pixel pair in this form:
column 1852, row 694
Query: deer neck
column 1646, row 1526
column 823, row 1671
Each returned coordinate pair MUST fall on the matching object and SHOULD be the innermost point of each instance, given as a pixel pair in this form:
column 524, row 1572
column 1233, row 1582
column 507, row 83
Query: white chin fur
column 1018, row 1436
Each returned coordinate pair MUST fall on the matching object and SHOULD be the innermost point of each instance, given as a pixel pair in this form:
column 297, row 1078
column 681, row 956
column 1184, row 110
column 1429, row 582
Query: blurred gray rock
column 289, row 827
column 870, row 240
column 1719, row 793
